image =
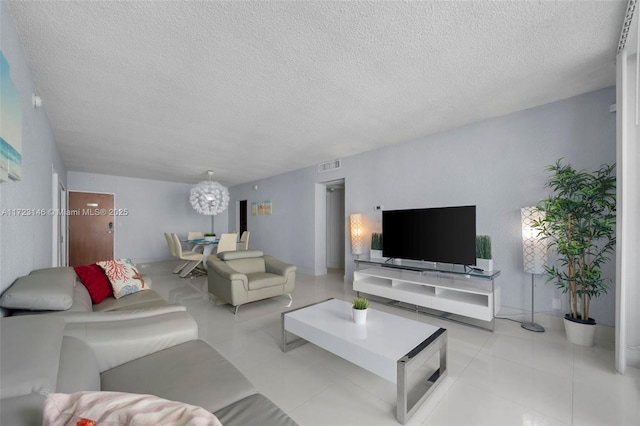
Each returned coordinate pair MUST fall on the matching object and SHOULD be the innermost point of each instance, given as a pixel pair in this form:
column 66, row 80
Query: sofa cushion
column 258, row 280
column 65, row 273
column 30, row 354
column 81, row 299
column 141, row 299
column 22, row 410
column 78, row 369
column 118, row 408
column 192, row 372
column 95, row 280
column 40, row 292
column 124, row 277
column 121, row 341
column 254, row 410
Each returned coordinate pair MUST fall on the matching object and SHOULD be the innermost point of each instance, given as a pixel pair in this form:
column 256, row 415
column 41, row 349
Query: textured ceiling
column 167, row 90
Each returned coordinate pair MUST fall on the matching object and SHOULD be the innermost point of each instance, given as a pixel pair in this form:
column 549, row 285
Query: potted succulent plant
column 484, row 260
column 579, row 224
column 210, row 236
column 376, row 246
column 360, row 305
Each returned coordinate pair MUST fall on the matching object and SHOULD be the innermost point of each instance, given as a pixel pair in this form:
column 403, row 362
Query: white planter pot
column 580, row 333
column 359, row 316
column 210, row 238
column 485, row 264
column 375, row 254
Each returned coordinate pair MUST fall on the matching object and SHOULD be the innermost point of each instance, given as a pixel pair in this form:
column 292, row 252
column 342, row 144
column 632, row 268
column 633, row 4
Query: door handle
column 110, row 231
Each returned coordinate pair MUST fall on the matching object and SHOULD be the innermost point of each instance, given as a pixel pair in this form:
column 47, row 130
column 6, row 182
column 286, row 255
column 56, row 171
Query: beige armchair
column 239, row 277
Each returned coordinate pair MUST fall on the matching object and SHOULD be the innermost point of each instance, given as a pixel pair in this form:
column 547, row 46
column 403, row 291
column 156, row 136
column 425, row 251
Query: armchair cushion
column 259, row 280
column 239, row 254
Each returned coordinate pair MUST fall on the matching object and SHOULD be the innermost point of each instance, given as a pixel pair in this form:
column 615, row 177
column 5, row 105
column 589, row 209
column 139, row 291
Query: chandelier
column 209, row 198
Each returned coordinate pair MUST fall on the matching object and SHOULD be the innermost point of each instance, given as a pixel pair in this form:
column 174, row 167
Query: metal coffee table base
column 414, row 382
column 411, row 395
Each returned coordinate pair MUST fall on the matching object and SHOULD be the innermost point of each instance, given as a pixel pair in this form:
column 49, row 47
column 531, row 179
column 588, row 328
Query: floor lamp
column 534, row 255
column 355, row 221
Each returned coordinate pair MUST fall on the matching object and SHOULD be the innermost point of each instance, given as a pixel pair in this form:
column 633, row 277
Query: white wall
column 26, row 242
column 497, row 165
column 155, row 207
column 628, row 242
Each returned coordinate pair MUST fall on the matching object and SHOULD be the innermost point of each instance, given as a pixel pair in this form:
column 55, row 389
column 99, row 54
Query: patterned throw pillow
column 125, row 278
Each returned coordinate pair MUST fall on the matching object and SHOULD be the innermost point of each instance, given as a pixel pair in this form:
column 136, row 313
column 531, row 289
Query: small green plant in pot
column 376, row 245
column 360, row 305
column 210, row 236
column 579, row 225
column 484, row 260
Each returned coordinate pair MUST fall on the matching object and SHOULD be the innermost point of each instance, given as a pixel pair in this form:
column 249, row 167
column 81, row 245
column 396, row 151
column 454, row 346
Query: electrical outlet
column 556, row 304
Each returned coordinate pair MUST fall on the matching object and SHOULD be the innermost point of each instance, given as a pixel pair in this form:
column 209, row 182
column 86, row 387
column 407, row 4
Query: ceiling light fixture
column 209, row 198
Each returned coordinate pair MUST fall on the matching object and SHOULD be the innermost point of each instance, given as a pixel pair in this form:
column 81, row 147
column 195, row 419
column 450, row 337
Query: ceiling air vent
column 329, row 165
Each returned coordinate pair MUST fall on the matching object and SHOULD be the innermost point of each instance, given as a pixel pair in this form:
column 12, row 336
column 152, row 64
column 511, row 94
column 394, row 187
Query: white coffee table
column 393, row 347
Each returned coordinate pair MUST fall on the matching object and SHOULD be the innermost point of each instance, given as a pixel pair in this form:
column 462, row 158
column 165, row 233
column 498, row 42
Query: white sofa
column 58, row 291
column 151, row 350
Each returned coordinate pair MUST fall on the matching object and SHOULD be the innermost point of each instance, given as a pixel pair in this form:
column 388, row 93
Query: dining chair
column 228, row 242
column 244, row 241
column 172, row 251
column 193, row 258
column 195, row 235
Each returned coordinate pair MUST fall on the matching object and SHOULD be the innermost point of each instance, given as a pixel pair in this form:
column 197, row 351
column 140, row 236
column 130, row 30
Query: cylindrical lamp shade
column 357, row 237
column 534, row 248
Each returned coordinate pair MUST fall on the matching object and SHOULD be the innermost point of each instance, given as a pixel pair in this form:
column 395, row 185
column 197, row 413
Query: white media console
column 442, row 289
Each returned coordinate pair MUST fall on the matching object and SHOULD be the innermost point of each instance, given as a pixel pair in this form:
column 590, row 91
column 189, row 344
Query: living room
column 496, row 163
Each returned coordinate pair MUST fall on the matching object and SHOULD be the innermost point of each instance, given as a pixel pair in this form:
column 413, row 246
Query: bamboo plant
column 579, row 224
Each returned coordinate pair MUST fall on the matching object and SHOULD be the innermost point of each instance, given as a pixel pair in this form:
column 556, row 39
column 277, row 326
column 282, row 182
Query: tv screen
column 442, row 234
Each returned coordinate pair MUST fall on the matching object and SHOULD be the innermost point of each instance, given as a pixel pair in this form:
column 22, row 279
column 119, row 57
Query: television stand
column 448, row 291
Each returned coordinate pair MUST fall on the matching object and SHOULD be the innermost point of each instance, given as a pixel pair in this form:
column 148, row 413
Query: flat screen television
column 441, row 234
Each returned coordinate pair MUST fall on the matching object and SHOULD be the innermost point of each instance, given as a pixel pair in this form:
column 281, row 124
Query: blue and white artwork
column 11, row 125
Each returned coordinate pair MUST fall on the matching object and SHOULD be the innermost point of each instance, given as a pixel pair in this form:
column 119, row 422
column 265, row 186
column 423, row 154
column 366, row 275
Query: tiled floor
column 508, row 377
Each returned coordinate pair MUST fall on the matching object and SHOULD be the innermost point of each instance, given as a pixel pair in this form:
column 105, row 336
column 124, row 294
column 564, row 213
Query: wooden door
column 91, row 228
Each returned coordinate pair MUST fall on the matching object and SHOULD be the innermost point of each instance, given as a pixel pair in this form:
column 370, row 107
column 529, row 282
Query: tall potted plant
column 579, row 224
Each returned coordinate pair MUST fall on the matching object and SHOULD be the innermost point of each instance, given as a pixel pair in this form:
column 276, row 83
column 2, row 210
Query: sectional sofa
column 147, row 349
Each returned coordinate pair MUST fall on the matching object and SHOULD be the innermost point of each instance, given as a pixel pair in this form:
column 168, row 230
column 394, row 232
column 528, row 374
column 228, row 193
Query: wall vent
column 329, row 165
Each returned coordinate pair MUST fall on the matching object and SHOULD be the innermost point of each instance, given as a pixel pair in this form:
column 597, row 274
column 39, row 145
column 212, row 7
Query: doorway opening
column 335, row 229
column 242, row 216
column 59, row 218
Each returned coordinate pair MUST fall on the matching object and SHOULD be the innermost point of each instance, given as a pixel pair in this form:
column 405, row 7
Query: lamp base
column 532, row 326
